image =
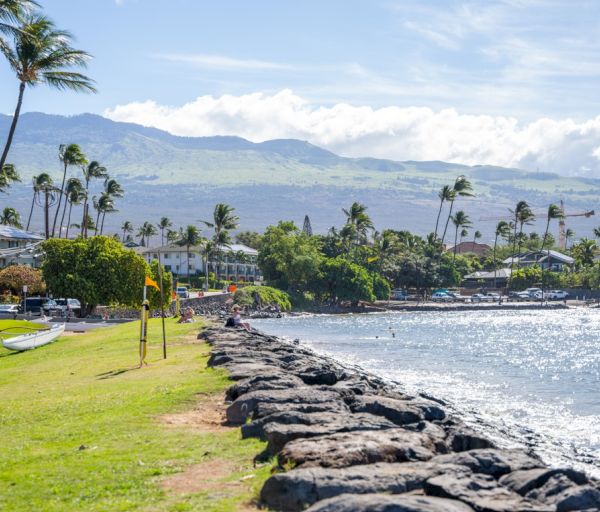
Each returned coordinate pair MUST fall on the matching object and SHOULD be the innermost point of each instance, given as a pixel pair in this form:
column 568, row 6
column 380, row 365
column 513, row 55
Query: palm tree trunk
column 447, row 221
column 123, row 238
column 97, row 220
column 548, row 255
column 187, row 254
column 46, row 215
column 62, row 189
column 206, row 272
column 62, row 219
column 13, row 125
column 455, row 239
column 102, row 226
column 31, row 210
column 494, row 260
column 69, row 219
column 514, row 246
column 437, row 222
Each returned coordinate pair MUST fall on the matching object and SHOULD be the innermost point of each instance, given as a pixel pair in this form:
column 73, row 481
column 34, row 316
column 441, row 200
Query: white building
column 237, row 262
column 19, row 247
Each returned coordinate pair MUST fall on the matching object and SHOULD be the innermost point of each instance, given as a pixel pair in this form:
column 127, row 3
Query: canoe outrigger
column 34, row 339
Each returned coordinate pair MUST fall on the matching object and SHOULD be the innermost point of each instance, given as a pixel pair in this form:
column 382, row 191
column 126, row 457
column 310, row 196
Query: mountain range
column 183, row 177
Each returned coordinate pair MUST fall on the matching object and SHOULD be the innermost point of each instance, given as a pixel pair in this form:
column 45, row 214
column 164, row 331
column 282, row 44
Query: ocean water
column 529, row 378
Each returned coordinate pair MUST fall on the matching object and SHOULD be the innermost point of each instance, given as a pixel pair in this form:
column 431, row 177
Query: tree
column 445, row 194
column 359, row 220
column 224, row 220
column 462, row 188
column 596, row 232
column 11, row 217
column 70, row 154
column 502, row 231
column 41, row 54
column 172, row 236
column 463, row 233
column 49, row 192
column 14, row 277
column 554, row 212
column 167, row 286
column 522, row 215
column 74, row 194
column 92, row 171
column 105, row 205
column 249, row 238
column 8, row 176
column 476, row 236
column 569, row 234
column 189, row 237
column 126, row 227
column 146, row 231
column 98, row 270
column 460, row 220
column 344, row 280
column 584, row 252
column 11, row 12
column 164, row 223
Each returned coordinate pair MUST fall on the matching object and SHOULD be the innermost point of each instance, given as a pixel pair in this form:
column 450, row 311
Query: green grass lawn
column 80, row 426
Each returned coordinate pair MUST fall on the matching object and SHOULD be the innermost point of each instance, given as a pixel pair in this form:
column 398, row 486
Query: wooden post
column 162, row 307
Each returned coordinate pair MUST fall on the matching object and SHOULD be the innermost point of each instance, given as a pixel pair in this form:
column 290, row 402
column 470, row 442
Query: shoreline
column 345, row 434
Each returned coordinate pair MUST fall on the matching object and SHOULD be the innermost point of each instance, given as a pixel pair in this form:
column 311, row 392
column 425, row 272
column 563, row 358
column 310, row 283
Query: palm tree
column 358, row 219
column 49, row 191
column 146, row 231
column 584, row 252
column 569, row 234
column 105, row 205
column 189, row 237
column 597, row 232
column 172, row 236
column 224, row 219
column 41, row 54
column 92, row 171
column 554, row 212
column 38, row 182
column 460, row 220
column 164, row 223
column 462, row 187
column 12, row 11
column 522, row 215
column 112, row 187
column 476, row 236
column 70, row 154
column 464, row 233
column 207, row 250
column 8, row 176
column 445, row 194
column 502, row 231
column 75, row 195
column 11, row 217
column 126, row 227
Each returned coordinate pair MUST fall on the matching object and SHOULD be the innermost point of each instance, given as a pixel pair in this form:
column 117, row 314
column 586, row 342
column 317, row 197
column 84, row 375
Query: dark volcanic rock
column 278, row 434
column 266, row 409
column 246, row 370
column 490, row 462
column 463, row 438
column 361, row 447
column 400, row 412
column 384, row 503
column 561, row 492
column 245, row 405
column 262, row 382
column 526, row 480
column 482, row 492
column 301, row 487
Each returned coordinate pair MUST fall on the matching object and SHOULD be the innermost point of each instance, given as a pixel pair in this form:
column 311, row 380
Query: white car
column 557, row 295
column 442, row 297
column 481, row 297
column 182, row 292
column 9, row 309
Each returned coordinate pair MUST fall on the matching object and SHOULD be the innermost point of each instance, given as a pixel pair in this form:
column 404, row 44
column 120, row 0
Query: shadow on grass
column 115, row 373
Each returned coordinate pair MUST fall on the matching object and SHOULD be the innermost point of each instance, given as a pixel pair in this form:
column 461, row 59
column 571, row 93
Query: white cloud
column 411, row 133
column 222, row 62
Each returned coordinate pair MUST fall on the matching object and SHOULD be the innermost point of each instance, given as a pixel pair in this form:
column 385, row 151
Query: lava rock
column 490, row 462
column 524, row 481
column 383, row 503
column 268, row 381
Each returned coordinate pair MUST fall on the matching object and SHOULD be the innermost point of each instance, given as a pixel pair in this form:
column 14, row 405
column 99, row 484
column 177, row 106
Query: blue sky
column 506, row 65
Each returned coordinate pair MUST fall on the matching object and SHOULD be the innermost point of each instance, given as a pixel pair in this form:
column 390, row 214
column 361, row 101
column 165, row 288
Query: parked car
column 9, row 309
column 399, row 295
column 458, row 296
column 69, row 306
column 481, row 297
column 182, row 292
column 39, row 305
column 442, row 297
column 534, row 293
column 519, row 296
column 557, row 295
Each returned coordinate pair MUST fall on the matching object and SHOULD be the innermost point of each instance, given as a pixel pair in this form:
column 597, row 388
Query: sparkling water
column 526, row 378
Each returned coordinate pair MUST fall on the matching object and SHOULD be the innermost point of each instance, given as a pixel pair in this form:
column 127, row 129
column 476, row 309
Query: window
column 167, row 256
column 13, row 243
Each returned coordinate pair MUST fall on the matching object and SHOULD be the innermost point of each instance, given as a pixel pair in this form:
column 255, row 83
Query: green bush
column 381, row 287
column 268, row 296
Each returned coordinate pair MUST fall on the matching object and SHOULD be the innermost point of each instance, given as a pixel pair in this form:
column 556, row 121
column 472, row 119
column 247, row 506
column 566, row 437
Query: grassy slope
column 85, row 390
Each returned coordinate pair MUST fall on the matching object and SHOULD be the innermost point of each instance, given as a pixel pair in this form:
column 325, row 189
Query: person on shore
column 187, row 317
column 235, row 320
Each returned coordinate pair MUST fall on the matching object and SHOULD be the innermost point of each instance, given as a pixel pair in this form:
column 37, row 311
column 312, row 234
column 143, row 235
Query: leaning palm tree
column 521, row 214
column 172, row 236
column 126, row 227
column 41, row 54
column 189, row 237
column 12, row 12
column 464, row 233
column 596, row 232
column 92, row 171
column 224, row 219
column 358, row 219
column 49, row 193
column 146, row 232
column 112, row 187
column 462, row 188
column 73, row 189
column 8, row 176
column 460, row 220
column 502, row 231
column 569, row 234
column 446, row 194
column 11, row 217
column 38, row 182
column 476, row 236
column 554, row 212
column 105, row 205
column 68, row 154
column 164, row 223
column 207, row 250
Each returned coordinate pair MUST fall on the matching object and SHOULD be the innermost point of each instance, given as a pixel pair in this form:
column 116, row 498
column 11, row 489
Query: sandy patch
column 208, row 415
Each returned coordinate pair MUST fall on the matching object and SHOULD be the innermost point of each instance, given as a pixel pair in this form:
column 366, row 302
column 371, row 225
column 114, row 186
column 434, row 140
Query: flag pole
column 143, row 328
column 162, row 307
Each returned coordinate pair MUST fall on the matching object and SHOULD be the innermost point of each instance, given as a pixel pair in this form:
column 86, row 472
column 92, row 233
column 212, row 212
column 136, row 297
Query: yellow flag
column 151, row 282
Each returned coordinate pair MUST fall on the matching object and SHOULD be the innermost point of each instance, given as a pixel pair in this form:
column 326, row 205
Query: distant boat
column 34, row 339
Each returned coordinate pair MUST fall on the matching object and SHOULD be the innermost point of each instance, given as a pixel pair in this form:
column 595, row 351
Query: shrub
column 381, row 287
column 13, row 278
column 268, row 296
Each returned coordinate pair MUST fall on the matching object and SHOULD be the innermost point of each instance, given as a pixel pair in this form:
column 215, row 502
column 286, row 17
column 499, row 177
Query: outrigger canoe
column 34, row 339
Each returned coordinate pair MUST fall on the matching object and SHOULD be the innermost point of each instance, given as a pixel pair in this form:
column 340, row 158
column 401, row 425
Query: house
column 236, row 263
column 19, row 247
column 485, row 279
column 547, row 260
column 471, row 248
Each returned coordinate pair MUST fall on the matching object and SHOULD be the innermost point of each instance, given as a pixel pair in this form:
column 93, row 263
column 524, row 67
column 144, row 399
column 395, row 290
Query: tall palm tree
column 522, row 214
column 357, row 218
column 224, row 219
column 75, row 195
column 38, row 183
column 189, row 237
column 462, row 188
column 112, row 187
column 41, row 54
column 502, row 231
column 172, row 236
column 146, row 232
column 105, row 205
column 554, row 212
column 207, row 250
column 11, row 217
column 68, row 154
column 8, row 176
column 460, row 220
column 445, row 194
column 126, row 227
column 596, row 232
column 12, row 12
column 464, row 233
column 49, row 192
column 569, row 234
column 476, row 236
column 164, row 223
column 92, row 171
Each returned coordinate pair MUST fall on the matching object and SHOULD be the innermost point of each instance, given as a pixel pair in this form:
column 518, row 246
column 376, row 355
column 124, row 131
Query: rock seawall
column 349, row 441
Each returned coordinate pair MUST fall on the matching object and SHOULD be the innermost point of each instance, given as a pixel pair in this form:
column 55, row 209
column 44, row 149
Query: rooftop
column 18, row 234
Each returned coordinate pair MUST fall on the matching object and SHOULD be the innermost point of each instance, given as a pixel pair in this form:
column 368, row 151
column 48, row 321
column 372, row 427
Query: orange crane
column 562, row 229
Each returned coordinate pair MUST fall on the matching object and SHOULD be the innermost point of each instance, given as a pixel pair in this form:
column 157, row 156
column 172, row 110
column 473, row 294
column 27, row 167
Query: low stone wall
column 347, row 441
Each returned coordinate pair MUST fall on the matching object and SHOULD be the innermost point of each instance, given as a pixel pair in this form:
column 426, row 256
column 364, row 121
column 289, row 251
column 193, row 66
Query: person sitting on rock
column 235, row 320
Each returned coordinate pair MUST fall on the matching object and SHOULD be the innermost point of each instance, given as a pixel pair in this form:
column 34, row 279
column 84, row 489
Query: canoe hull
column 33, row 340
